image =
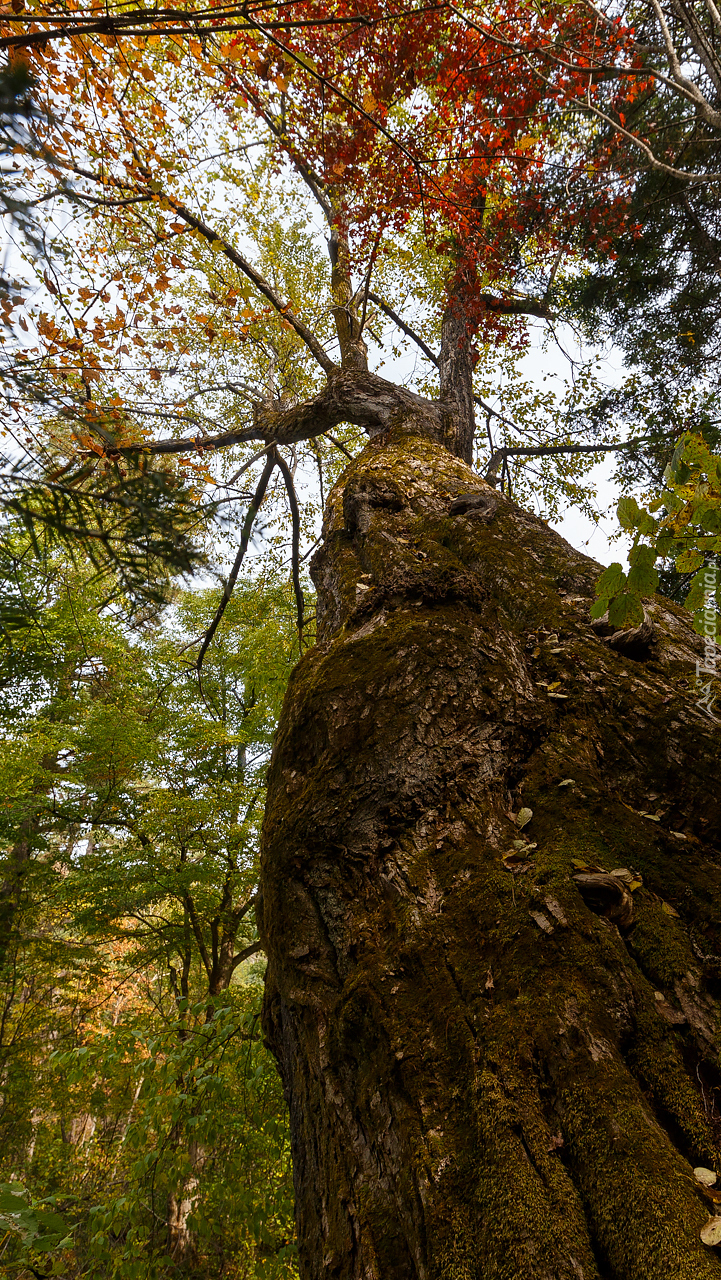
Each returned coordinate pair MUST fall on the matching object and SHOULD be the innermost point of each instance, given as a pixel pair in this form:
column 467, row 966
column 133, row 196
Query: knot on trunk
column 482, row 505
column 635, row 642
column 434, row 586
column 360, row 497
column 607, row 895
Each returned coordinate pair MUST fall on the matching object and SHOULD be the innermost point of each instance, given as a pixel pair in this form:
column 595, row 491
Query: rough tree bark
column 494, row 1069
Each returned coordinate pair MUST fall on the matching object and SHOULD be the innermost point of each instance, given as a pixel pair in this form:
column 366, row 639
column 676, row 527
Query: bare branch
column 697, row 36
column 312, row 181
column 295, row 551
column 244, row 539
column 338, row 445
column 705, row 110
column 542, row 451
column 405, row 328
column 245, row 954
column 684, row 175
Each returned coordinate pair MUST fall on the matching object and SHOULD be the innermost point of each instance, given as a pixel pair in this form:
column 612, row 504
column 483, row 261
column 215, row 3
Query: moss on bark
column 487, row 1077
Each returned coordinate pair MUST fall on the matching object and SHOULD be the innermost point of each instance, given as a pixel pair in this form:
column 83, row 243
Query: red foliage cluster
column 457, row 115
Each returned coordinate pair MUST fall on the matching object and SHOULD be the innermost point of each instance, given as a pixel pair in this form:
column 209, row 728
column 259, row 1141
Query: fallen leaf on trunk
column 542, row 921
column 711, row 1233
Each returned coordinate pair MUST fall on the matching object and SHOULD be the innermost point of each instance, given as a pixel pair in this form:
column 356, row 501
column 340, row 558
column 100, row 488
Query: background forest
column 138, row 1102
column 206, row 211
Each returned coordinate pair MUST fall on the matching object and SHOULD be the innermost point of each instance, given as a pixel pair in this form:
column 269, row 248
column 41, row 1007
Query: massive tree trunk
column 497, row 1067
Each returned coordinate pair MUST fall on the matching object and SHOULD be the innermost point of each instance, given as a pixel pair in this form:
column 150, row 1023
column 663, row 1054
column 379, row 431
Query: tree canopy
column 242, row 240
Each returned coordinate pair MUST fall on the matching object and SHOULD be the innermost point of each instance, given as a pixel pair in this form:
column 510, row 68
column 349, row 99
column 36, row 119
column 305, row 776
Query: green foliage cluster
column 681, row 526
column 143, row 1131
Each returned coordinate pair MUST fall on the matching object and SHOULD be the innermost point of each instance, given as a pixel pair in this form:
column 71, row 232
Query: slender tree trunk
column 497, row 1067
column 455, row 367
column 183, row 1242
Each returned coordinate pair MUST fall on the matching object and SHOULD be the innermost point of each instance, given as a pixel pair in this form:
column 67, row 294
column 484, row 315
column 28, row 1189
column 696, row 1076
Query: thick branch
column 517, row 306
column 198, row 933
column 358, row 397
column 192, row 23
column 245, row 954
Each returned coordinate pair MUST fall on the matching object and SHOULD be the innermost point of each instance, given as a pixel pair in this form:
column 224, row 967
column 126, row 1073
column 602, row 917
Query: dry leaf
column 705, row 1176
column 670, row 911
column 542, row 921
column 556, row 910
column 711, row 1233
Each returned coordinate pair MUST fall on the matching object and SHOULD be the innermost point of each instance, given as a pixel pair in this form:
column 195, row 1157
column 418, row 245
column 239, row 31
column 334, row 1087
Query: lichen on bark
column 487, row 1077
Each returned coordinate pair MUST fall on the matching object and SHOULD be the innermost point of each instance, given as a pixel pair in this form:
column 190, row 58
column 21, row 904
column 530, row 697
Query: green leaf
column 628, row 512
column 643, row 576
column 611, row 581
column 689, row 560
column 625, row 610
column 13, row 1197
